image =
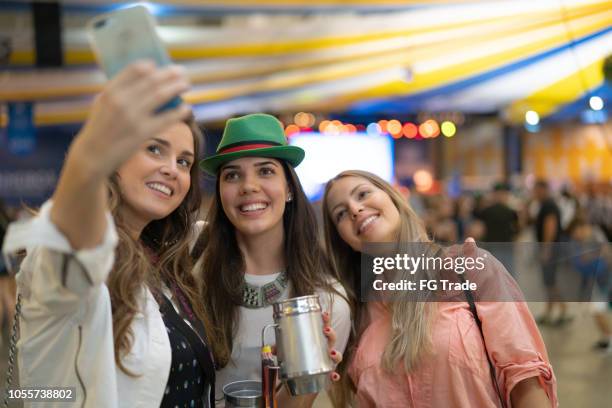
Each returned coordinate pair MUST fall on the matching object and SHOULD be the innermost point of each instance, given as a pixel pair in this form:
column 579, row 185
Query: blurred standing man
column 548, row 233
column 501, row 223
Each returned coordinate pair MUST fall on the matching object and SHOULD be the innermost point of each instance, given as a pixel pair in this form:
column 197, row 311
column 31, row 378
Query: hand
column 123, row 116
column 335, row 355
column 469, row 246
column 468, row 249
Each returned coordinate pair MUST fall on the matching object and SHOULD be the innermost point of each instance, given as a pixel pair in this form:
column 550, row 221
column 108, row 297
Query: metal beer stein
column 301, row 346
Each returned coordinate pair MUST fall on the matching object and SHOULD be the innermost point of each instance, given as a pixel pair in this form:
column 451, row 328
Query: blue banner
column 21, row 133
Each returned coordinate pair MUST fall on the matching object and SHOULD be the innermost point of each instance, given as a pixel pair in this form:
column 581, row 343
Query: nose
column 249, row 184
column 355, row 208
column 169, row 169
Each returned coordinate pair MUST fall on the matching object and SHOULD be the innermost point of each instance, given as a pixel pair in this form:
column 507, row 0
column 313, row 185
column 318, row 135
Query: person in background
column 548, row 235
column 592, row 259
column 420, row 353
column 501, row 221
column 501, row 225
column 598, row 205
column 260, row 246
column 568, row 208
column 464, row 214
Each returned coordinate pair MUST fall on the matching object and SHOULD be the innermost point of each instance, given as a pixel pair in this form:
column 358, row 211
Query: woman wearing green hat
column 260, row 246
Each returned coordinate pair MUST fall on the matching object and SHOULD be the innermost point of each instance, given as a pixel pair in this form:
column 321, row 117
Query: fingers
column 159, row 88
column 328, row 331
column 326, row 318
column 131, row 73
column 469, row 247
column 141, row 88
column 165, row 119
column 336, row 356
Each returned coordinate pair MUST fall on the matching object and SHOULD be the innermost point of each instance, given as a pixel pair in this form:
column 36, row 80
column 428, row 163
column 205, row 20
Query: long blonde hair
column 411, row 320
column 168, row 239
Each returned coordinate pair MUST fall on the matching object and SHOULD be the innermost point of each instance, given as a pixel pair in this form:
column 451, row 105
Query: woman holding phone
column 108, row 302
column 428, row 354
column 260, row 246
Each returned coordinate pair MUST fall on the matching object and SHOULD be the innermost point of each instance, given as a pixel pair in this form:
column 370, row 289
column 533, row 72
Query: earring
column 289, row 197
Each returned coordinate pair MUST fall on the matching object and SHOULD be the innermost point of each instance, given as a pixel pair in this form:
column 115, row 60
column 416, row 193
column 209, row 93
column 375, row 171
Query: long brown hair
column 222, row 267
column 168, row 239
column 411, row 321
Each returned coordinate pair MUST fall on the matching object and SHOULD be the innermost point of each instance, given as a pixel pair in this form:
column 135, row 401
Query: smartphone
column 124, row 36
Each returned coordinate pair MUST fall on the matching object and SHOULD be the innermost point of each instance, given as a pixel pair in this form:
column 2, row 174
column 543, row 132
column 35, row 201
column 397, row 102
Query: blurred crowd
column 502, row 213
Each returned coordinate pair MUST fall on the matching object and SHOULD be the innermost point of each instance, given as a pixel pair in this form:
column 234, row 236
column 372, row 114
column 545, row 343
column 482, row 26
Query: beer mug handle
column 263, row 333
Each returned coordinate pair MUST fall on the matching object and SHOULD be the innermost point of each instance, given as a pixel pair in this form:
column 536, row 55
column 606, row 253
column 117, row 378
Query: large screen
column 328, row 155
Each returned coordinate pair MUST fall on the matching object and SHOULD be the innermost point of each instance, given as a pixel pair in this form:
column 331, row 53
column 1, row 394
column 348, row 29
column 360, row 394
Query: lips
column 366, row 222
column 253, row 207
column 162, row 188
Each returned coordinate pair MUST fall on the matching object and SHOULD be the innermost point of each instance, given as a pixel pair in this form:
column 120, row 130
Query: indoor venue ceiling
column 355, row 57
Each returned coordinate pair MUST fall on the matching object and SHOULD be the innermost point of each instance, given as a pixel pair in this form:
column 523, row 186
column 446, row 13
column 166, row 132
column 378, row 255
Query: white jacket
column 66, row 324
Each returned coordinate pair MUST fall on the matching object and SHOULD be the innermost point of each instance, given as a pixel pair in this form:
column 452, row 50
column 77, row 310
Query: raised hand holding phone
column 140, row 101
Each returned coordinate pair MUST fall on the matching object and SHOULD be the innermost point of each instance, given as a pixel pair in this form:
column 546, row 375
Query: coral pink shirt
column 457, row 374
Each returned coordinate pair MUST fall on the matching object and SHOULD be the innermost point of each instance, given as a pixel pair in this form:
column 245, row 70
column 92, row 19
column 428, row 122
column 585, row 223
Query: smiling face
column 156, row 179
column 253, row 193
column 361, row 212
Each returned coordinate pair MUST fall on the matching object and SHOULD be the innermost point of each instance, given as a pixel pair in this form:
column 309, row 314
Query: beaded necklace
column 255, row 297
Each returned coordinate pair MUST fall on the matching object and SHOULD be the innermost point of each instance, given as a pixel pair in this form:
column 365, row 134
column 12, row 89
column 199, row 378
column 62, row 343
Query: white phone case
column 124, row 36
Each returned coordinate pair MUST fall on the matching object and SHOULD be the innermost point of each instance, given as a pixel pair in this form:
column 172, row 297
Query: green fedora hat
column 255, row 135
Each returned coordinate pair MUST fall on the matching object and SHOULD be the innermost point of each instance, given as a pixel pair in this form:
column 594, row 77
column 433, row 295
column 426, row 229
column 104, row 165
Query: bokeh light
column 429, row 129
column 291, row 130
column 394, row 127
column 423, row 180
column 374, row 129
column 448, row 128
column 532, row 118
column 410, row 130
column 596, row 103
column 304, row 119
column 383, row 125
column 323, row 125
column 333, row 128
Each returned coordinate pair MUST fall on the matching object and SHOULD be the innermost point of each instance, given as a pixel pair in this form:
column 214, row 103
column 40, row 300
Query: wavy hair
column 221, row 269
column 411, row 320
column 160, row 256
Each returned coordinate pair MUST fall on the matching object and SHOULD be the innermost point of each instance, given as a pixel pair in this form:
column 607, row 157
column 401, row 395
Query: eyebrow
column 229, row 166
column 264, row 163
column 258, row 164
column 165, row 143
column 350, row 194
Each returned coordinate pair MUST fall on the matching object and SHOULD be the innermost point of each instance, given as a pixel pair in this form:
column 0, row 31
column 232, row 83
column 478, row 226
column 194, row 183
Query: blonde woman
column 426, row 354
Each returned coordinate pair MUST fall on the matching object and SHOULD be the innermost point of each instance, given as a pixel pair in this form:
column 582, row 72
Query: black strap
column 198, row 344
column 472, row 304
